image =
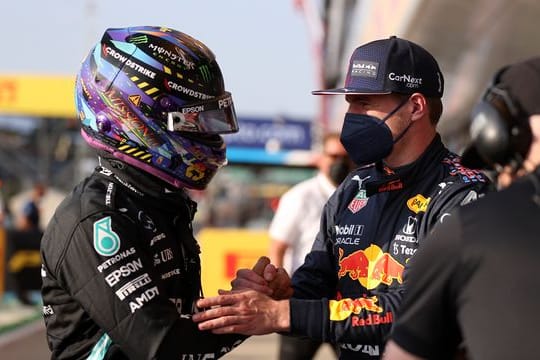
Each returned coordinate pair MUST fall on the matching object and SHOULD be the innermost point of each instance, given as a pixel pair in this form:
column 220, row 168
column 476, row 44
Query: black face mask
column 339, row 169
column 368, row 139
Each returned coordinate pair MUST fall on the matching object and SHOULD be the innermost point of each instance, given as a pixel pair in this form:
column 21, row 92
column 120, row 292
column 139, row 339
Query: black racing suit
column 476, row 282
column 121, row 272
column 351, row 283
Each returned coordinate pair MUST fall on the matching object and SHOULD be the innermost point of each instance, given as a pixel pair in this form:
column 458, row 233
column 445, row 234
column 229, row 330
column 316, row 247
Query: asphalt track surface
column 28, row 343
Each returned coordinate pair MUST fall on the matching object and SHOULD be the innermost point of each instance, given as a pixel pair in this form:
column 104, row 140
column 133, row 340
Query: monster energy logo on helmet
column 205, row 72
column 139, row 39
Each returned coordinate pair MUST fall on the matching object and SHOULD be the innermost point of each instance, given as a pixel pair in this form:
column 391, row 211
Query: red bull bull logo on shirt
column 370, row 267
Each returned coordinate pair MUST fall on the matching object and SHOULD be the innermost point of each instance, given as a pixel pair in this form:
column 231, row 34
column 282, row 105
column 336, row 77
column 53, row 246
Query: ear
column 419, row 106
column 316, row 159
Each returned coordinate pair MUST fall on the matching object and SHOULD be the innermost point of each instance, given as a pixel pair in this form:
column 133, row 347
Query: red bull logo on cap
column 370, row 267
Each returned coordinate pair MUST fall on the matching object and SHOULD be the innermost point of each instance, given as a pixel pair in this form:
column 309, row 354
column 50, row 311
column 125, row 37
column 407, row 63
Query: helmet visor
column 216, row 116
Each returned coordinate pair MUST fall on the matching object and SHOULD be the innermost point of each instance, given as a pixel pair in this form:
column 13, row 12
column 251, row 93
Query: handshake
column 257, row 304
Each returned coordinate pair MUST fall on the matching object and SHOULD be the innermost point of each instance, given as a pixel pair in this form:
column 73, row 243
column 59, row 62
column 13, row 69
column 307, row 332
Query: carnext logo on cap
column 364, row 68
column 411, row 81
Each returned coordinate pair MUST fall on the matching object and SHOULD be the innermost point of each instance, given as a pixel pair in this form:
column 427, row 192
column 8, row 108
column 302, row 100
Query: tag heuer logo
column 359, row 201
column 364, row 68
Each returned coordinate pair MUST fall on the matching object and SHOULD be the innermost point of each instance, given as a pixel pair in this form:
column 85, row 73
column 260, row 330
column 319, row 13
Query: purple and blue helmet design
column 155, row 98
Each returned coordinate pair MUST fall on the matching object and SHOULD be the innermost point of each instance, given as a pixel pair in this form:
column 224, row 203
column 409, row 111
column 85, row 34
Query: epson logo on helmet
column 409, row 79
column 193, row 109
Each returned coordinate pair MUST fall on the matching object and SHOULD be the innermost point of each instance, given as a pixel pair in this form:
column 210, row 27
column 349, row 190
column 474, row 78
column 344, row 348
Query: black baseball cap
column 521, row 83
column 391, row 65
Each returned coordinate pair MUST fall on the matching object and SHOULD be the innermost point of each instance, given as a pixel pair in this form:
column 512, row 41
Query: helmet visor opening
column 216, row 116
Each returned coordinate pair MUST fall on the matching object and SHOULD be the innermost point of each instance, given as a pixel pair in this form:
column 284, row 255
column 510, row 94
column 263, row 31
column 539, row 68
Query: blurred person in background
column 23, row 243
column 296, row 223
column 121, row 268
column 475, row 285
column 31, row 209
column 351, row 283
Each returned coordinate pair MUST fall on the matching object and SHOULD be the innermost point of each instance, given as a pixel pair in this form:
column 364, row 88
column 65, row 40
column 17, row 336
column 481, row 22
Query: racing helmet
column 155, row 98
